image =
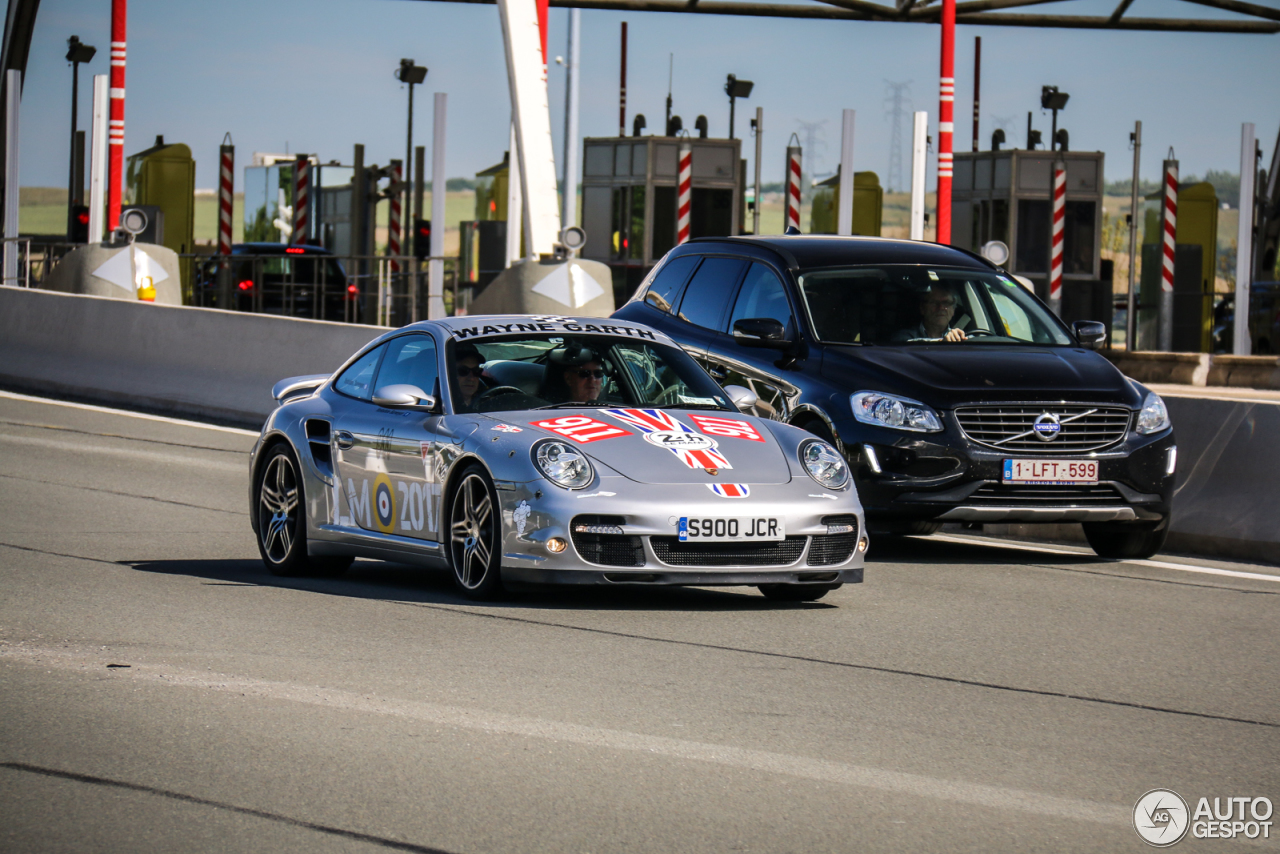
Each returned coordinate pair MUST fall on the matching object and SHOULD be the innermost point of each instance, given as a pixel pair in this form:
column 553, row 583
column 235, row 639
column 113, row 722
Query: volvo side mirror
column 761, row 332
column 743, row 398
column 1090, row 333
column 404, row 396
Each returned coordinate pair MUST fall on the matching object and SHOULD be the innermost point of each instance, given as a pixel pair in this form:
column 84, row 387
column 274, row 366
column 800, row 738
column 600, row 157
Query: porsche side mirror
column 743, row 398
column 404, row 396
column 761, row 332
column 1090, row 333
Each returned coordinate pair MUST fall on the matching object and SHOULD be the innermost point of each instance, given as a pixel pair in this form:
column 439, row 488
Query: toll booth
column 164, row 177
column 868, row 205
column 629, row 200
column 1194, row 269
column 1007, row 196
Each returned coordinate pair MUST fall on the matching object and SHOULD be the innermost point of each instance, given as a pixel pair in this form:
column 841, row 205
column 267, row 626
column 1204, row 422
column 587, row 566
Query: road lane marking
column 1160, row 564
column 501, row 724
column 130, row 453
column 126, row 413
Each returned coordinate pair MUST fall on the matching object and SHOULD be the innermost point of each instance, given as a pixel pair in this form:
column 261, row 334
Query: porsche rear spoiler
column 287, row 389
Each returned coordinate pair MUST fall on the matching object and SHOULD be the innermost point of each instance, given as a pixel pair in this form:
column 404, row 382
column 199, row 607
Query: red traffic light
column 83, row 217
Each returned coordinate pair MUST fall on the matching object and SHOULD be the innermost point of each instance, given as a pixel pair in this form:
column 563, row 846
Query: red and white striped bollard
column 1169, row 243
column 684, row 193
column 301, row 198
column 946, row 119
column 1056, row 236
column 393, row 224
column 793, row 188
column 226, row 195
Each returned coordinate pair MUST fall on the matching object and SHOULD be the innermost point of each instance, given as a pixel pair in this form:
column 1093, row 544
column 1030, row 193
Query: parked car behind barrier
column 274, row 278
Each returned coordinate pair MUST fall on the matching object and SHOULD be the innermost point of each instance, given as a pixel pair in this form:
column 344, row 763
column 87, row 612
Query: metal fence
column 372, row 289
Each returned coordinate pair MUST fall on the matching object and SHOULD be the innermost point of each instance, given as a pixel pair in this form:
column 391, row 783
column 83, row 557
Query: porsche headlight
column 1154, row 417
column 899, row 413
column 824, row 464
column 563, row 465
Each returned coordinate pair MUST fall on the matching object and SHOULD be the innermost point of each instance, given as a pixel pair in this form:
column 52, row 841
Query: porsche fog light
column 898, row 413
column 1154, row 417
column 555, row 545
column 824, row 464
column 562, row 465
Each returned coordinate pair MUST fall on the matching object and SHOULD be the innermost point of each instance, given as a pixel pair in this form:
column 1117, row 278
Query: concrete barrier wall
column 1227, row 501
column 191, row 361
column 1198, row 369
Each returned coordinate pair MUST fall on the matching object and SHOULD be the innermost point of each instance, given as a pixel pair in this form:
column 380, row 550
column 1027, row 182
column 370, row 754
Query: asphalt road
column 160, row 692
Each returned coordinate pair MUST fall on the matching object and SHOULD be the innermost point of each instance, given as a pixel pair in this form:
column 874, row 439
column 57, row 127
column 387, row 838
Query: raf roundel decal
column 384, row 504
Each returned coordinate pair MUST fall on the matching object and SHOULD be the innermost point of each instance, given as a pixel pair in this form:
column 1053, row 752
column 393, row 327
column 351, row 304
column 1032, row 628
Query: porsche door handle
column 344, row 440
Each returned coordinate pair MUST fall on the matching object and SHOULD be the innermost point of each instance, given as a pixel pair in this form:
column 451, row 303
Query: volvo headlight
column 824, row 464
column 563, row 465
column 1154, row 417
column 899, row 413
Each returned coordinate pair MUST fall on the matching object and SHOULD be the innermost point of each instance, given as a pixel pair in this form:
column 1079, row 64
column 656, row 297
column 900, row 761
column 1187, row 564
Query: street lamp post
column 735, row 89
column 77, row 52
column 410, row 74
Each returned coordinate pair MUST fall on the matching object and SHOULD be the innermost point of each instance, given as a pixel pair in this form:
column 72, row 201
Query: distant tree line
column 1225, row 184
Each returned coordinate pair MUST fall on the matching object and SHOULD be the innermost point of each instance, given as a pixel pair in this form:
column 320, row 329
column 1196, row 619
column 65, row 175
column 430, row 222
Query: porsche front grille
column 1011, row 427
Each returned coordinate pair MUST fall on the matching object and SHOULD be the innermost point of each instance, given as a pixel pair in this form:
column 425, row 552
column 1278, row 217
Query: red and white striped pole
column 946, row 119
column 393, row 224
column 226, row 193
column 1056, row 236
column 115, row 124
column 684, row 193
column 1169, row 232
column 301, row 198
column 793, row 188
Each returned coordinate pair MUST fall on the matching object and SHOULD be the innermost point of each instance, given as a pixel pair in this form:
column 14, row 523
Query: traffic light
column 422, row 238
column 80, row 224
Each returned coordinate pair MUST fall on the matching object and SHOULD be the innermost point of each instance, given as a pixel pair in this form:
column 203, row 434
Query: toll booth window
column 664, row 220
column 635, row 246
column 410, row 359
column 711, row 213
column 762, row 295
column 1000, row 220
column 666, row 285
column 357, row 380
column 1077, row 237
column 1033, row 235
column 704, row 299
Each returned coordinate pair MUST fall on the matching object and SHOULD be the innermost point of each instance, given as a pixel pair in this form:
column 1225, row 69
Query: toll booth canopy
column 629, row 199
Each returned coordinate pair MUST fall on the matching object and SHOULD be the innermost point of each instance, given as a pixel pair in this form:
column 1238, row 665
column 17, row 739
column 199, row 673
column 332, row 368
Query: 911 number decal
column 580, row 428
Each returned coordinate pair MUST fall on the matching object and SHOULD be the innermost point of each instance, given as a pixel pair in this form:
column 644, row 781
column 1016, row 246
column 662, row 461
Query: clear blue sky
column 317, row 77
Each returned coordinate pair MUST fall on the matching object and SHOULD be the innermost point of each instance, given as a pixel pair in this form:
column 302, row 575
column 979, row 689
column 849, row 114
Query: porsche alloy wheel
column 282, row 530
column 474, row 528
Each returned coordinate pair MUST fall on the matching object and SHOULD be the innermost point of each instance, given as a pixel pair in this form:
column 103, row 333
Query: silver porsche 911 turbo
column 518, row 450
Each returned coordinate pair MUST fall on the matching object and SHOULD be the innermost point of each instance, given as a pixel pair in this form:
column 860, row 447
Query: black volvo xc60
column 954, row 393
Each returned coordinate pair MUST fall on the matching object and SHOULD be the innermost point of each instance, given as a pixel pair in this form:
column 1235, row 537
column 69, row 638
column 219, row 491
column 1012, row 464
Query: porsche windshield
column 549, row 371
column 903, row 305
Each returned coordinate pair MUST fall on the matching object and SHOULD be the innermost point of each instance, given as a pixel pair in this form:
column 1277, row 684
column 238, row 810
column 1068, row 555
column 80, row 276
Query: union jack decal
column 658, row 421
column 730, row 490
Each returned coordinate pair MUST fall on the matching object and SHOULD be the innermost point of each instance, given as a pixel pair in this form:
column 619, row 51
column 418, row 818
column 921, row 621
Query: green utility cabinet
column 1194, row 269
column 165, row 176
column 868, row 205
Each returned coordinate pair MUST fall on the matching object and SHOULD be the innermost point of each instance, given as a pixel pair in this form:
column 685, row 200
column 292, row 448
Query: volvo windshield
column 904, row 305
